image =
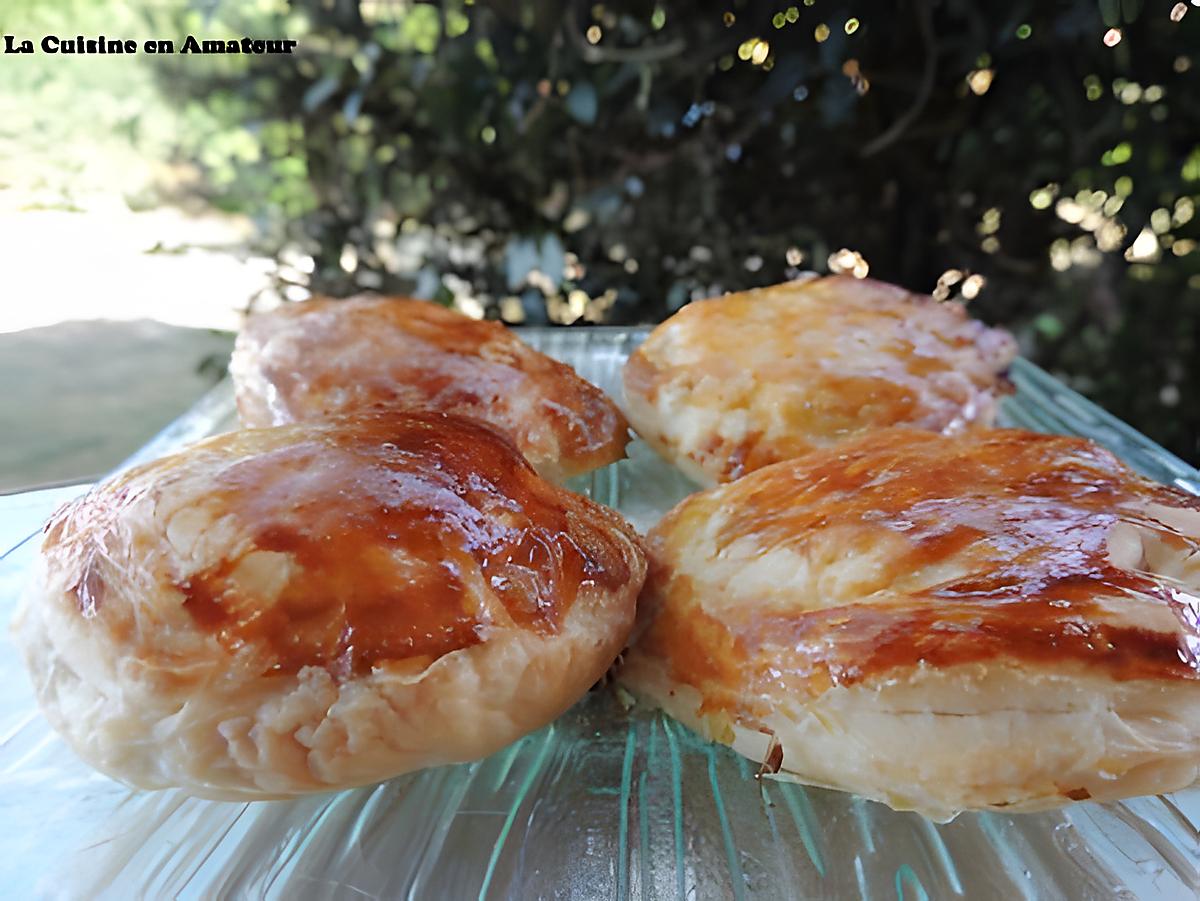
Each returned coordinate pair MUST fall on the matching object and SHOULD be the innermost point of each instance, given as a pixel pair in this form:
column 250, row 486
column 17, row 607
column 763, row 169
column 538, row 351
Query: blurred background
column 585, row 163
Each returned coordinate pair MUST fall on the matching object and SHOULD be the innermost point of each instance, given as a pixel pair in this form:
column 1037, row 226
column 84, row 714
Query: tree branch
column 893, row 133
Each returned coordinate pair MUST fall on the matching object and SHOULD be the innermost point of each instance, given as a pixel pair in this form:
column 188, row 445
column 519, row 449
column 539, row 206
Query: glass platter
column 604, row 803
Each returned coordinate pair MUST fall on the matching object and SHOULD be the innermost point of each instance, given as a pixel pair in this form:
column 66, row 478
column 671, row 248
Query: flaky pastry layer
column 997, row 620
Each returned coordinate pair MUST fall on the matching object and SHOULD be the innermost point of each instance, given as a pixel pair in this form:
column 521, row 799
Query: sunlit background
column 577, row 163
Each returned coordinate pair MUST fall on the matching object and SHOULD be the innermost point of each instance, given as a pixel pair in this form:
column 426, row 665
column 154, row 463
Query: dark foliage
column 578, row 162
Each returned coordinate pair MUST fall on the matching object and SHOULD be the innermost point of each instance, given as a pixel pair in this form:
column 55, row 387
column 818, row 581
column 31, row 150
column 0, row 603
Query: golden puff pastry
column 1001, row 620
column 728, row 385
column 306, row 360
column 321, row 605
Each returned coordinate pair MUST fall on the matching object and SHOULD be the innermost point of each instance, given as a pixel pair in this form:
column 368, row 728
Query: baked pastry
column 728, row 385
column 306, row 360
column 1001, row 620
column 321, row 605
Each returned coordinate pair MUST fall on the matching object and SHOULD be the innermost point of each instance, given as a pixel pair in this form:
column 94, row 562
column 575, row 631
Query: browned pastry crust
column 997, row 620
column 304, row 361
column 308, row 607
column 728, row 385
